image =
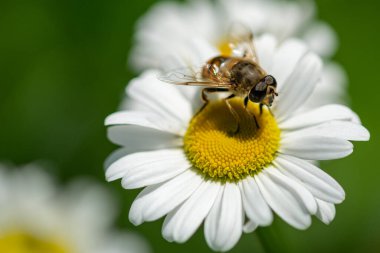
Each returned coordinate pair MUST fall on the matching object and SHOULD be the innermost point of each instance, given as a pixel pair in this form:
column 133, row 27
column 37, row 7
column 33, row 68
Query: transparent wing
column 192, row 76
column 242, row 41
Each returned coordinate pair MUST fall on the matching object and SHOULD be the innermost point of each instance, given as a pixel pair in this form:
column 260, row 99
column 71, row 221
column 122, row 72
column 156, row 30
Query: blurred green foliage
column 63, row 70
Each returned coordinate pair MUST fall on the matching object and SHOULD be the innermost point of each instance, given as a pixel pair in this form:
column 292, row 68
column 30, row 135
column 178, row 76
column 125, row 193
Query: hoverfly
column 242, row 76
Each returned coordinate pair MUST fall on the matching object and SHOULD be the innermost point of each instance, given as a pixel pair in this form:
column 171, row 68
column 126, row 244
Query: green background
column 63, row 70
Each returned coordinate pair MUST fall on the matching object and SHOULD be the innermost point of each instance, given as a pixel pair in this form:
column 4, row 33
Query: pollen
column 218, row 151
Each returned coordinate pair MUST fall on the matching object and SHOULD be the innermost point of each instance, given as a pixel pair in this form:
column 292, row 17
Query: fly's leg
column 205, row 99
column 252, row 115
column 261, row 109
column 234, row 113
column 270, row 111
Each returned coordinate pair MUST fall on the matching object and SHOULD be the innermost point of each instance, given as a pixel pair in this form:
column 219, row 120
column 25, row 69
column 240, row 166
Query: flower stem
column 270, row 240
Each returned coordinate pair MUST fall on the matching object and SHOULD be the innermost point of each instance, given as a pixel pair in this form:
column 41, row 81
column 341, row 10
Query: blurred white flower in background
column 174, row 34
column 38, row 216
column 195, row 171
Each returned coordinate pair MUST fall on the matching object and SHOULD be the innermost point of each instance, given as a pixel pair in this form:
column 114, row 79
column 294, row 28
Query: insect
column 241, row 76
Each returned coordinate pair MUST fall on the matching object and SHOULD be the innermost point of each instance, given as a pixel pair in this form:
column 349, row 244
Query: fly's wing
column 192, row 76
column 242, row 41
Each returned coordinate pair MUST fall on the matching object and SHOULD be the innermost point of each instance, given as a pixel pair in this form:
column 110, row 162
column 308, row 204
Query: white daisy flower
column 195, row 171
column 36, row 216
column 174, row 34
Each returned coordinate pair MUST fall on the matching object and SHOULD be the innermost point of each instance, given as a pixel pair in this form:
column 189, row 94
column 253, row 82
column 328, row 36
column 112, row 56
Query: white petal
column 249, row 227
column 295, row 188
column 142, row 119
column 286, row 60
column 311, row 168
column 116, row 155
column 148, row 168
column 155, row 201
column 162, row 98
column 137, row 138
column 224, row 223
column 130, row 104
column 334, row 129
column 331, row 89
column 283, row 201
column 255, row 206
column 319, row 115
column 269, row 16
column 181, row 223
column 299, row 86
column 211, row 222
column 167, row 30
column 147, row 132
column 315, row 147
column 201, row 51
column 265, row 47
column 142, row 160
column 81, row 202
column 319, row 183
column 321, row 38
column 326, row 211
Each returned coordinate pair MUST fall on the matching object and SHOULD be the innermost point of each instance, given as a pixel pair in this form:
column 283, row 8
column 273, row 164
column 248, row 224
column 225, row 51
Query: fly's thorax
column 246, row 74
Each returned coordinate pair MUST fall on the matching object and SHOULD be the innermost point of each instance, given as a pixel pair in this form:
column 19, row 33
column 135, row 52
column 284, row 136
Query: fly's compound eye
column 270, row 80
column 259, row 92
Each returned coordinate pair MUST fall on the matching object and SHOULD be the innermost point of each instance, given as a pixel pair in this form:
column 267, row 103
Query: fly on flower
column 231, row 183
column 241, row 75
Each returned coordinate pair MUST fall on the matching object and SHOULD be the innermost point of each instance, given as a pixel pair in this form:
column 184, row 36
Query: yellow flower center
column 214, row 147
column 21, row 242
column 225, row 48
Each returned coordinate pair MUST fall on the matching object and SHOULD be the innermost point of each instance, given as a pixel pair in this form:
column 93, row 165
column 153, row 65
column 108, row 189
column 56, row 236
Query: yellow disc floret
column 215, row 147
column 21, row 242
